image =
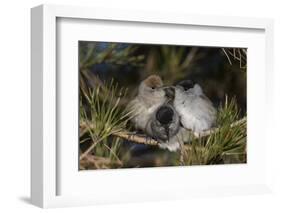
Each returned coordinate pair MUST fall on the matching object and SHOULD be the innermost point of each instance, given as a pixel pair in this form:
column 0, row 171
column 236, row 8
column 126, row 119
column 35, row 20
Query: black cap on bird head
column 186, row 84
column 165, row 115
column 166, row 123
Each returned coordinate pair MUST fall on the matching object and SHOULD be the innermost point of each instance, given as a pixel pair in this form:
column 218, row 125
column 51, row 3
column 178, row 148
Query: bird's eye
column 152, row 87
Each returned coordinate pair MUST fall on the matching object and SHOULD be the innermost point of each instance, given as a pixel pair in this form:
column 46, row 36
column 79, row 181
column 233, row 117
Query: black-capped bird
column 196, row 111
column 164, row 126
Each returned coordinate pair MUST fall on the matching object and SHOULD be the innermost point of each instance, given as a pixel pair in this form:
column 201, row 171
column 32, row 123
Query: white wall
column 15, row 98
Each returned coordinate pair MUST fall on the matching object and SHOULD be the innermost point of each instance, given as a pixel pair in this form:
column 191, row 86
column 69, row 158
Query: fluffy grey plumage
column 149, row 98
column 164, row 126
column 153, row 115
column 161, row 120
column 196, row 111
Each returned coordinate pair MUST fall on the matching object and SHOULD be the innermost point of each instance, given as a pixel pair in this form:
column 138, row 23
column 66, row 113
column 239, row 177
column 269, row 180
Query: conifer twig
column 125, row 135
column 150, row 141
column 136, row 138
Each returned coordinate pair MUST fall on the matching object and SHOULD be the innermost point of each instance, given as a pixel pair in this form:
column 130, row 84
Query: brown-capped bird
column 150, row 97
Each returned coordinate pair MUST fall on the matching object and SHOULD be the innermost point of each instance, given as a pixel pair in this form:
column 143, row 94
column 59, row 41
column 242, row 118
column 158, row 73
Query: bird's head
column 186, row 84
column 153, row 81
column 165, row 115
column 165, row 123
column 151, row 87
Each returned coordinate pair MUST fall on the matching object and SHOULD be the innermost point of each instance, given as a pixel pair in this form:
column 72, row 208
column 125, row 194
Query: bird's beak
column 169, row 92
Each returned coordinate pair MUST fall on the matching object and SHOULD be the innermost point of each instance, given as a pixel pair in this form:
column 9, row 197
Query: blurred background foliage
column 109, row 77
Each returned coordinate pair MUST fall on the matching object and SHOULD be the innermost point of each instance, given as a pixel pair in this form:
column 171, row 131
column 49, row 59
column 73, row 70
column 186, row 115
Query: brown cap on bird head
column 153, row 81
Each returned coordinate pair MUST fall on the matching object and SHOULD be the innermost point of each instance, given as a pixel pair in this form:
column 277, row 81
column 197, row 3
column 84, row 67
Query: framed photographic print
column 133, row 105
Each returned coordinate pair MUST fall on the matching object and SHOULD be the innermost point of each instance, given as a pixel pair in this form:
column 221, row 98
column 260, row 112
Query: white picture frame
column 47, row 165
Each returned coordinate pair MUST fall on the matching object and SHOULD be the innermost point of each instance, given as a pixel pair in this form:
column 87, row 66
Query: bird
column 196, row 111
column 163, row 126
column 150, row 97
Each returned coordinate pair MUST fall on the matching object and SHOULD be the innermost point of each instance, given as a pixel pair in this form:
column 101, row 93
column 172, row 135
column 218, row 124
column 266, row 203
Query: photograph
column 161, row 105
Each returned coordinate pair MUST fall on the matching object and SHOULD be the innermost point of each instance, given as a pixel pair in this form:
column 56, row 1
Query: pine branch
column 136, row 138
column 149, row 141
column 124, row 134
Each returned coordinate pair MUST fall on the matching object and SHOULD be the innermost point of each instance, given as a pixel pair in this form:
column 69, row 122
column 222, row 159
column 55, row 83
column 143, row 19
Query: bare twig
column 228, row 58
column 238, row 54
column 136, row 138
